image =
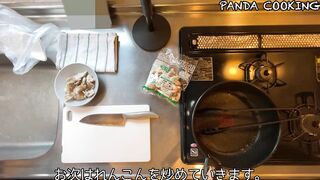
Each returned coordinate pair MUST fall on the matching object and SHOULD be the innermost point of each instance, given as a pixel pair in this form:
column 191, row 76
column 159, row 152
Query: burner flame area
column 307, row 128
column 310, row 123
column 261, row 72
column 265, row 73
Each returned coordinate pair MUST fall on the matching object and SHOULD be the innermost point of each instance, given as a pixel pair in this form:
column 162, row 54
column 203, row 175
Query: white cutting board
column 86, row 143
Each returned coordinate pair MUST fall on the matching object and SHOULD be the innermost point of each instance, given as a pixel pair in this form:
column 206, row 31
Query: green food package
column 169, row 76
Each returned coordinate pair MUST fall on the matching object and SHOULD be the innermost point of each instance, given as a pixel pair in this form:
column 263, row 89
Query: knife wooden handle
column 142, row 114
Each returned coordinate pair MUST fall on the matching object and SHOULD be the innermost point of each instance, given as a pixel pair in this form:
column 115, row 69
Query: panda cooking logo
column 268, row 5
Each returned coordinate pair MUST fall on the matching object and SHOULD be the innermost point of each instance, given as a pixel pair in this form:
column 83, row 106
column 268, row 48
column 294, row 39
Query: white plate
column 68, row 71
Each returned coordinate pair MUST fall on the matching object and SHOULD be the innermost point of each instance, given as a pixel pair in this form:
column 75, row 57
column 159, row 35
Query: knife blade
column 116, row 119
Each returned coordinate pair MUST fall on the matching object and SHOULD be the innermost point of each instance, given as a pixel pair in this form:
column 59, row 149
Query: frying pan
column 238, row 148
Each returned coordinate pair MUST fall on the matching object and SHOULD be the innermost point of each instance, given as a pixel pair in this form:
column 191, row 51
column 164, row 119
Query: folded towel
column 95, row 49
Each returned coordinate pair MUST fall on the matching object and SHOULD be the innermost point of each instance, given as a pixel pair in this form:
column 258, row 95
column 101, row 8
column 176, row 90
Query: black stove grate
column 261, row 72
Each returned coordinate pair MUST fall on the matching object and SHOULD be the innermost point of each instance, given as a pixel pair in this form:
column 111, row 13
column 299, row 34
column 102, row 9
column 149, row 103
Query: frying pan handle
column 205, row 167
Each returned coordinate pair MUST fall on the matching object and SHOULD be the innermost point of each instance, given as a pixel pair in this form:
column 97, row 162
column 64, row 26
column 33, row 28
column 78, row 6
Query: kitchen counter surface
column 124, row 87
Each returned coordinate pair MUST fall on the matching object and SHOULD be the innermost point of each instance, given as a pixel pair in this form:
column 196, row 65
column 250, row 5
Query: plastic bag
column 25, row 42
column 169, row 75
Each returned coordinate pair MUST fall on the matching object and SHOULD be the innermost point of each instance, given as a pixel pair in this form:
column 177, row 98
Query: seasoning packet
column 169, row 75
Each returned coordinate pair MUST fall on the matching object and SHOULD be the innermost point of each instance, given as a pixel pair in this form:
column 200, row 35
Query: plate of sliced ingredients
column 76, row 84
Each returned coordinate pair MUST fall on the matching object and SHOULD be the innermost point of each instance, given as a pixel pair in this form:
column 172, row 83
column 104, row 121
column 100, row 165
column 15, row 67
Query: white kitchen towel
column 95, row 49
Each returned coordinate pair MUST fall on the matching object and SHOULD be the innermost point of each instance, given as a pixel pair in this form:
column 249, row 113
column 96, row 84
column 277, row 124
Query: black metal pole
column 151, row 31
column 148, row 13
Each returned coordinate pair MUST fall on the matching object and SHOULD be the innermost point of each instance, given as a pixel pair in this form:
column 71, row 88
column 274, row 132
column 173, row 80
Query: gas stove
column 282, row 61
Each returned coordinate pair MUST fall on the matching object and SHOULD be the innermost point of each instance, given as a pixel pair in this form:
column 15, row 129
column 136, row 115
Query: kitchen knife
column 116, row 119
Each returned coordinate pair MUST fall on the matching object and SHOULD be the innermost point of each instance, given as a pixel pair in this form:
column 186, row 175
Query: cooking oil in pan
column 229, row 141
